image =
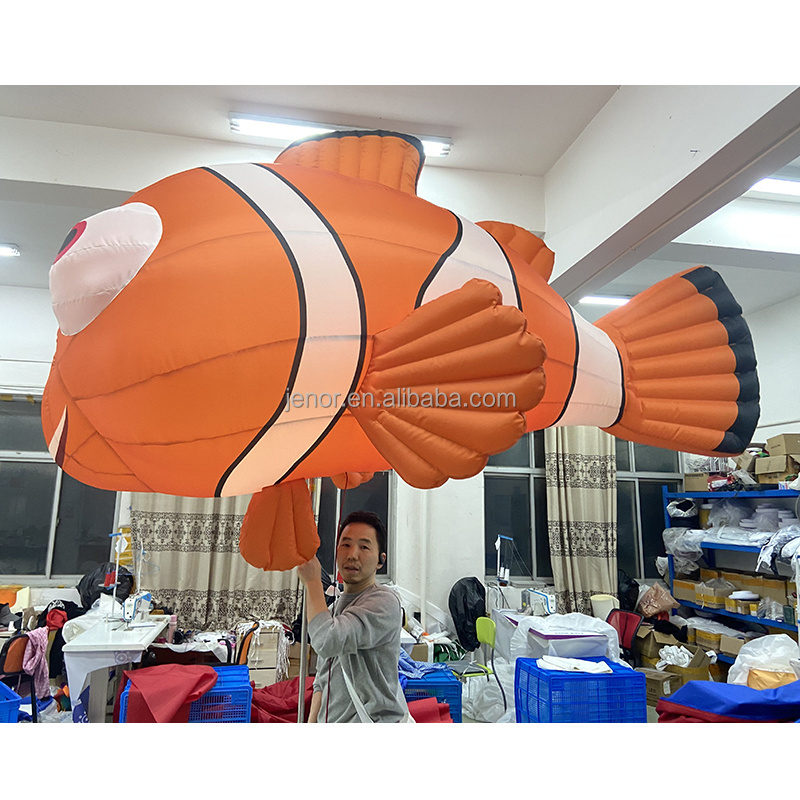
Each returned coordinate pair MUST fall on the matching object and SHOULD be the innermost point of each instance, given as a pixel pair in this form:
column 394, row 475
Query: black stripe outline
column 362, row 315
column 709, row 283
column 574, row 366
column 510, row 268
column 301, row 337
column 440, row 263
column 622, row 386
column 318, row 137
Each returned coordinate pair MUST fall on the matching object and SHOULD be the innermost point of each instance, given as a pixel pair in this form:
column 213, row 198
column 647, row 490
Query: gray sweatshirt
column 364, row 633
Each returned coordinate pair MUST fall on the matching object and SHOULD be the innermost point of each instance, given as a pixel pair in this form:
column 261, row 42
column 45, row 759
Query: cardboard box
column 708, row 574
column 746, row 461
column 707, row 639
column 773, row 588
column 732, row 577
column 696, row 481
column 777, row 468
column 659, row 684
column 698, row 666
column 731, row 645
column 783, row 445
column 648, row 642
column 423, row 651
column 295, row 663
column 707, row 596
column 683, row 589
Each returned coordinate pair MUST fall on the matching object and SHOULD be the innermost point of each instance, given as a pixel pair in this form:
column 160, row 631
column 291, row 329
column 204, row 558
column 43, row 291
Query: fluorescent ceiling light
column 604, row 300
column 777, row 186
column 9, row 250
column 290, row 130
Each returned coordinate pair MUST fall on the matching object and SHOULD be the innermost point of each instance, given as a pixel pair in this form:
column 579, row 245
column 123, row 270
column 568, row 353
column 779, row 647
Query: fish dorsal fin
column 391, row 159
column 528, row 245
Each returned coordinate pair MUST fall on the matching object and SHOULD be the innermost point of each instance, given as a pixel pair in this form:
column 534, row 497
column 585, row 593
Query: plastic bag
column 482, row 700
column 729, row 512
column 682, row 509
column 684, row 545
column 655, row 600
column 766, row 654
column 558, row 624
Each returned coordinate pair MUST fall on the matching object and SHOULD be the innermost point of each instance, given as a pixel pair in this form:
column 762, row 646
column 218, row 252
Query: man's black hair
column 368, row 518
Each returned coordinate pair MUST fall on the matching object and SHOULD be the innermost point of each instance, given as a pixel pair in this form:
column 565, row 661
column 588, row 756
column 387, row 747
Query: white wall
column 776, row 333
column 27, row 338
column 452, row 516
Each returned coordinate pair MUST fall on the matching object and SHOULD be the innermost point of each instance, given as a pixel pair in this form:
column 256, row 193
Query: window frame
column 48, row 578
column 532, row 472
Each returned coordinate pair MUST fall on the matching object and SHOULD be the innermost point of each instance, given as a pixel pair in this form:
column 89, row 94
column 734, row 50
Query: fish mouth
column 58, row 442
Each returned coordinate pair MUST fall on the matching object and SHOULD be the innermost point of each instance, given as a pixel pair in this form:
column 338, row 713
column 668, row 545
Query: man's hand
column 310, row 572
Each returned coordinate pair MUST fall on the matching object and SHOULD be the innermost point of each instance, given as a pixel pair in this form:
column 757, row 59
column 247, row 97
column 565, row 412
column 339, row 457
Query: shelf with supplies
column 780, row 589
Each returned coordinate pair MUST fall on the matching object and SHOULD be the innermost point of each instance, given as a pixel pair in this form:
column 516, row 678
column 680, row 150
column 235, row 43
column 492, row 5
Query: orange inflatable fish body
column 247, row 326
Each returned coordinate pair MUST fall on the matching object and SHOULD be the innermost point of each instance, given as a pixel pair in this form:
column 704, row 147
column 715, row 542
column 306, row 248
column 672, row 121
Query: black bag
column 628, row 591
column 90, row 586
column 467, row 602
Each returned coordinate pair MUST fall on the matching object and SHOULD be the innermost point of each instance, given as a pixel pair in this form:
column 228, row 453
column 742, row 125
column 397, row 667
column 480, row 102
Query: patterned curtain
column 192, row 563
column 581, row 470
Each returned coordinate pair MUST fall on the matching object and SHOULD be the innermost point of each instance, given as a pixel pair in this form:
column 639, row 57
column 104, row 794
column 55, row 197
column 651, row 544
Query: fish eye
column 72, row 237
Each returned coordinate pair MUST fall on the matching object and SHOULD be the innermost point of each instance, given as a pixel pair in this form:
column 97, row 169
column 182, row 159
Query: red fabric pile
column 278, row 703
column 429, row 709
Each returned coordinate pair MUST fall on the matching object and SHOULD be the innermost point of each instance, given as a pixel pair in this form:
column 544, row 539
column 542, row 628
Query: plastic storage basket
column 9, row 704
column 442, row 685
column 228, row 700
column 546, row 695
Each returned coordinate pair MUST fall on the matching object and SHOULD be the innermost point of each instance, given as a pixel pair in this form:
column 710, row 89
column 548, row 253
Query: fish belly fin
column 391, row 159
column 690, row 368
column 530, row 247
column 278, row 530
column 349, row 480
column 448, row 385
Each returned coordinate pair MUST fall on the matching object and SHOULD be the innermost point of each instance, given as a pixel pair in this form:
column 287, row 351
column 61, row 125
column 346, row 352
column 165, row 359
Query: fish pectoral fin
column 349, row 480
column 278, row 531
column 529, row 246
column 448, row 386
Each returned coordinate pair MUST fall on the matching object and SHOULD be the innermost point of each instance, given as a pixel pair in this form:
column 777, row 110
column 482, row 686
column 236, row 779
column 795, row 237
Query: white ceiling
column 520, row 130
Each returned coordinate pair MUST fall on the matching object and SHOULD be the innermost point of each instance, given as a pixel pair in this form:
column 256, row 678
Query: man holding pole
column 359, row 646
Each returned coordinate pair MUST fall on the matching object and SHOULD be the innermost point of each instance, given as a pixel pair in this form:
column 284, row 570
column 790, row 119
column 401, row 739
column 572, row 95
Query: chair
column 11, row 657
column 244, row 645
column 486, row 631
column 625, row 623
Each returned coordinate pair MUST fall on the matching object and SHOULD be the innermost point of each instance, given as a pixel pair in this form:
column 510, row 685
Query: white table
column 88, row 657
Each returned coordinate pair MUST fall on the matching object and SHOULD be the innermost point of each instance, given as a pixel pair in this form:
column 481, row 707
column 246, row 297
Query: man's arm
column 310, row 575
column 316, row 702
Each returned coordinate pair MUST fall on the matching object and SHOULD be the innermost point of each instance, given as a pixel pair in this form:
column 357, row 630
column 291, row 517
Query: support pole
column 301, row 688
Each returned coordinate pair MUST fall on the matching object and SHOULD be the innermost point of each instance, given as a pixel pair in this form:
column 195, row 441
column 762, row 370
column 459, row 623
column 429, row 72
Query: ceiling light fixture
column 604, row 300
column 777, row 186
column 290, row 130
column 9, row 250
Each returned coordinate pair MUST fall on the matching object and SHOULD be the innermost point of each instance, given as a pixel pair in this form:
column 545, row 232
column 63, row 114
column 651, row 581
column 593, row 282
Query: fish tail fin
column 448, row 385
column 689, row 365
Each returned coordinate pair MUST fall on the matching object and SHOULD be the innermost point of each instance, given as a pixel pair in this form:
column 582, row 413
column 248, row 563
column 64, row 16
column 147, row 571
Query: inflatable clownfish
column 241, row 328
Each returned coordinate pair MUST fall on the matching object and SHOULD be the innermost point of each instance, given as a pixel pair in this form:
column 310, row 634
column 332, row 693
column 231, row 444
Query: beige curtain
column 580, row 465
column 193, row 566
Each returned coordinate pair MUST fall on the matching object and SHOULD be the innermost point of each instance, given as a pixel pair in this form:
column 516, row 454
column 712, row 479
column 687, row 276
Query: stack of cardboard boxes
column 781, row 465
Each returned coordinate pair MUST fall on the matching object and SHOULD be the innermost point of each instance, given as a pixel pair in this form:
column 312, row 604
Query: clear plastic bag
column 729, row 512
column 767, row 654
column 683, row 544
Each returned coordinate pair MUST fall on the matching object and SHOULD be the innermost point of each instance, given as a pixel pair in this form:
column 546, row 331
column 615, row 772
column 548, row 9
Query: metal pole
column 301, row 689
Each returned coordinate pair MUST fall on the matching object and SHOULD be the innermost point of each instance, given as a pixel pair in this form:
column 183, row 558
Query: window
column 335, row 505
column 50, row 524
column 515, row 505
column 641, row 472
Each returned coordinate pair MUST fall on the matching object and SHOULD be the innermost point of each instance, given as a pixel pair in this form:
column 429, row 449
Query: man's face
column 357, row 556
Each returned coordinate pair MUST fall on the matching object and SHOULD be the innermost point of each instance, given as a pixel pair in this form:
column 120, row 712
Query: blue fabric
column 742, row 702
column 408, row 668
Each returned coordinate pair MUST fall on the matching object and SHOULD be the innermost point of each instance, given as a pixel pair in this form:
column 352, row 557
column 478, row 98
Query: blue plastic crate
column 9, row 704
column 546, row 695
column 442, row 685
column 228, row 700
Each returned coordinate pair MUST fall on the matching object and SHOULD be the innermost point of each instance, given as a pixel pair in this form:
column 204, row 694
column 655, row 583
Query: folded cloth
column 165, row 692
column 408, row 668
column 572, row 664
column 428, row 709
